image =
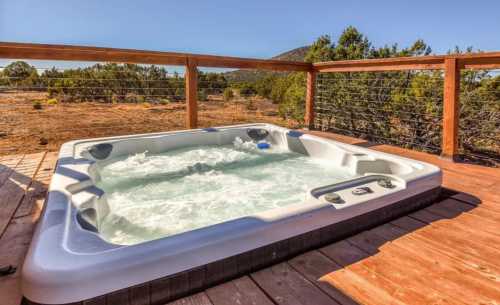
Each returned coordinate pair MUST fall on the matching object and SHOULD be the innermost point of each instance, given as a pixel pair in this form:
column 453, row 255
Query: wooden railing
column 451, row 64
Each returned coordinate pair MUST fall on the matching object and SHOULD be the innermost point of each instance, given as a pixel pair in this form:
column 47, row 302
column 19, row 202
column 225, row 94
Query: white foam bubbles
column 152, row 196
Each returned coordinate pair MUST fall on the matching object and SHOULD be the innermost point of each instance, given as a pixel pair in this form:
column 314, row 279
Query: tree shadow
column 336, row 268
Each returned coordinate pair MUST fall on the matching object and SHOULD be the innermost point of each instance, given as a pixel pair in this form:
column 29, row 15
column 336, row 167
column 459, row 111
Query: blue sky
column 254, row 28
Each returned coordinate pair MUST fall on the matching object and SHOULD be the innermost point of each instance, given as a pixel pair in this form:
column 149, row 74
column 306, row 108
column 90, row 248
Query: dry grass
column 24, row 129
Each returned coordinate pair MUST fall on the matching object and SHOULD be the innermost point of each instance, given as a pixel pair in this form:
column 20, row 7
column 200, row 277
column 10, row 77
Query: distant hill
column 297, row 54
column 237, row 76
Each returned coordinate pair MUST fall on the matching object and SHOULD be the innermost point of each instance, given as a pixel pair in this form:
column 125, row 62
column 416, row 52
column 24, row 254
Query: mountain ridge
column 237, row 76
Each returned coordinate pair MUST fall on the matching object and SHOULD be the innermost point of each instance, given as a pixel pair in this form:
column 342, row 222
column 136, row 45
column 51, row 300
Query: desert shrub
column 202, row 95
column 20, row 73
column 264, row 86
column 115, row 99
column 228, row 94
column 134, row 98
column 37, row 105
column 179, row 94
column 292, row 101
column 247, row 89
column 251, row 105
column 52, row 101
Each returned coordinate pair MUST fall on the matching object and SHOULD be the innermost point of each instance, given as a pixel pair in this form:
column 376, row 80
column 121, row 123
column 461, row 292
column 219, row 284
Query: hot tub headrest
column 257, row 134
column 88, row 219
column 100, row 151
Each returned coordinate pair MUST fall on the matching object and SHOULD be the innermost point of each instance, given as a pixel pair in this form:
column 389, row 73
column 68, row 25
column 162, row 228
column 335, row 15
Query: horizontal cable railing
column 240, row 101
column 479, row 124
column 44, row 107
column 445, row 104
column 41, row 108
column 401, row 108
column 417, row 102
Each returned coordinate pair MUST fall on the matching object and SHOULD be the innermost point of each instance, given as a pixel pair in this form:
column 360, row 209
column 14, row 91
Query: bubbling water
column 158, row 195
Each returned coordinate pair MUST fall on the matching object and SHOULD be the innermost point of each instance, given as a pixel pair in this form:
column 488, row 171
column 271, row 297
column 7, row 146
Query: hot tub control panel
column 358, row 190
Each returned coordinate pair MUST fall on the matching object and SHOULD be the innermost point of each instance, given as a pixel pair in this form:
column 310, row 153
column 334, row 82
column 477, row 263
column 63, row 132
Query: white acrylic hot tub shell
column 66, row 263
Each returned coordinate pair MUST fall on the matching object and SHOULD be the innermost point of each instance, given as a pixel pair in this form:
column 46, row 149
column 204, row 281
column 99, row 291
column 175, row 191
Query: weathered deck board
column 15, row 240
column 15, row 186
column 286, row 286
column 242, row 291
column 447, row 253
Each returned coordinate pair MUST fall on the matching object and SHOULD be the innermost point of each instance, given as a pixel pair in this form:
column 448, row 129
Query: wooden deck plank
column 435, row 268
column 242, row 291
column 468, row 219
column 38, row 188
column 483, row 211
column 15, row 241
column 7, row 166
column 342, row 252
column 472, row 235
column 14, row 188
column 408, row 272
column 387, row 283
column 485, row 267
column 314, row 266
column 450, row 236
column 13, row 246
column 461, row 263
column 196, row 299
column 286, row 286
column 370, row 288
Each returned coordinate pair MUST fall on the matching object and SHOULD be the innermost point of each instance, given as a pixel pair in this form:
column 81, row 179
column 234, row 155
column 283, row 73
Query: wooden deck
column 448, row 253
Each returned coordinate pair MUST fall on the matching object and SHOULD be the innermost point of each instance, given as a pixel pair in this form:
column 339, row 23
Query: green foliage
column 202, row 95
column 19, row 70
column 52, row 101
column 293, row 98
column 179, row 94
column 20, row 74
column 228, row 94
column 210, row 83
column 113, row 83
column 247, row 89
column 134, row 98
column 3, row 79
column 264, row 86
column 402, row 108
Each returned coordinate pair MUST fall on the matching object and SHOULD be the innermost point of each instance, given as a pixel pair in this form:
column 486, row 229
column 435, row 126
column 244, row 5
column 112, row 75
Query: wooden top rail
column 487, row 60
column 81, row 53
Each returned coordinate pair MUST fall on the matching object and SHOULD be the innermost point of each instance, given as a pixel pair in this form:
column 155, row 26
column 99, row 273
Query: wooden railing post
column 310, row 92
column 191, row 78
column 451, row 108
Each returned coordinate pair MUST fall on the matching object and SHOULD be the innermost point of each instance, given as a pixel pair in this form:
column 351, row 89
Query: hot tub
column 148, row 218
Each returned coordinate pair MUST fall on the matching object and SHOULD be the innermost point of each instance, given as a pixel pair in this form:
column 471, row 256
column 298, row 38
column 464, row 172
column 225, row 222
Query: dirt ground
column 24, row 129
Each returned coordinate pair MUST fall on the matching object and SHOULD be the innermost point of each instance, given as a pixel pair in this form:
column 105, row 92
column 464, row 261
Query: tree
column 202, row 95
column 20, row 73
column 264, row 86
column 228, row 94
column 246, row 89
